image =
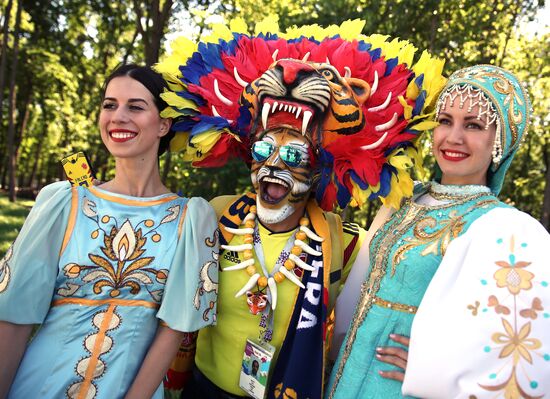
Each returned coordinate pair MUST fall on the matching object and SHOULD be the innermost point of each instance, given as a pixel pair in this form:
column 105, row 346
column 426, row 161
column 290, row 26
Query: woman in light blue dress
column 115, row 274
column 449, row 227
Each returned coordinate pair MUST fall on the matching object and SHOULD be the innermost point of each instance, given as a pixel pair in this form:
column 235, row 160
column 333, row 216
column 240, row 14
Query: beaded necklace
column 267, row 283
column 456, row 192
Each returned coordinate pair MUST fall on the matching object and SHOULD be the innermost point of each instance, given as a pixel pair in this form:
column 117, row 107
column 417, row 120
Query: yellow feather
column 179, row 102
column 269, row 24
column 407, row 109
column 377, row 40
column 434, row 81
column 406, row 55
column 169, row 112
column 360, row 196
column 425, row 125
column 179, row 142
column 401, row 187
column 350, row 29
column 238, row 25
column 219, row 31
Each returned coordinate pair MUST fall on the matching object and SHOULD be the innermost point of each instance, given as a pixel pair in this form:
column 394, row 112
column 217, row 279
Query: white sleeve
column 351, row 293
column 483, row 326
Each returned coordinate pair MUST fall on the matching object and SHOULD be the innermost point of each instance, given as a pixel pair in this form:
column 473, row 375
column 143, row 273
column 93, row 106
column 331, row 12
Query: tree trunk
column 24, row 122
column 152, row 32
column 4, row 57
column 11, row 108
column 41, row 138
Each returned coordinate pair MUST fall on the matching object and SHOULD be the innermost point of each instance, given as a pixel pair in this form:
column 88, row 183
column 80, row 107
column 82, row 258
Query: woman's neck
column 136, row 178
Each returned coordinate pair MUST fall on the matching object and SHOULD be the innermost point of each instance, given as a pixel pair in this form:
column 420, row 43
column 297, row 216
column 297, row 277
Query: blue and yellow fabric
column 100, row 275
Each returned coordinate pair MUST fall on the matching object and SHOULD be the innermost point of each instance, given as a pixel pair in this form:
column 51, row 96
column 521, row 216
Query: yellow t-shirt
column 220, row 348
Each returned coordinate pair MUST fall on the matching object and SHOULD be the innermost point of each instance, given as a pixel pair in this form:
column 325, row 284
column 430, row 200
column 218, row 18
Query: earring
column 497, row 146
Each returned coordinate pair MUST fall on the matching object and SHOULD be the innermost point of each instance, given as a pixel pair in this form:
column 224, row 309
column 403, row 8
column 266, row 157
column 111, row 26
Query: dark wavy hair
column 153, row 82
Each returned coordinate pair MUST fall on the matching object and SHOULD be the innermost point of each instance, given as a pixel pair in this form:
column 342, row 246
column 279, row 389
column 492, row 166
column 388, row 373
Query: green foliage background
column 67, row 48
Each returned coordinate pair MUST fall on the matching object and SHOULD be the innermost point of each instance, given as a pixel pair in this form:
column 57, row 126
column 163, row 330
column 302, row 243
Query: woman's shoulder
column 199, row 206
column 507, row 218
column 58, row 192
column 56, row 188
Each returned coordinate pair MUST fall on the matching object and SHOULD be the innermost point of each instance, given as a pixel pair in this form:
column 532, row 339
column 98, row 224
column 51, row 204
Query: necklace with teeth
column 257, row 301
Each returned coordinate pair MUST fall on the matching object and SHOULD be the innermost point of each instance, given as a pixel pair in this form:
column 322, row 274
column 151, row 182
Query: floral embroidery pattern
column 5, row 272
column 206, row 283
column 97, row 344
column 122, row 264
column 514, row 340
column 435, row 241
column 513, row 276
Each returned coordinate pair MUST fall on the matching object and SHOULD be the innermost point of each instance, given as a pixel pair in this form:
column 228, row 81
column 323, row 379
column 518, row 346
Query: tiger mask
column 313, row 98
column 282, row 173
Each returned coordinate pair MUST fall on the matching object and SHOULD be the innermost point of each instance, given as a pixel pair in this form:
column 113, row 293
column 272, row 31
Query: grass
column 12, row 216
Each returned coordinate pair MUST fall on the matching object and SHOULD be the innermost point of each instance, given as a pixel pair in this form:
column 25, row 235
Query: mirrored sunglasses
column 290, row 155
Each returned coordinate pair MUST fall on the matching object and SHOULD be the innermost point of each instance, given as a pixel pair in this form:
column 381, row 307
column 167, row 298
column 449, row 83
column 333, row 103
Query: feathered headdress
column 362, row 153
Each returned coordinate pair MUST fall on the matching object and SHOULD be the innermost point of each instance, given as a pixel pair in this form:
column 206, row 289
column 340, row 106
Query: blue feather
column 193, row 97
column 325, row 160
column 363, row 46
column 194, row 69
column 421, row 99
column 243, row 121
column 184, row 125
column 375, row 53
column 211, row 55
column 208, row 123
column 385, row 180
column 342, row 194
column 390, row 64
column 419, row 80
column 357, row 179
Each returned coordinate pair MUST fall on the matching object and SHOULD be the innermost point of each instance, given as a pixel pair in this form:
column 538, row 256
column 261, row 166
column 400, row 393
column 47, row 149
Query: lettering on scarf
column 312, row 297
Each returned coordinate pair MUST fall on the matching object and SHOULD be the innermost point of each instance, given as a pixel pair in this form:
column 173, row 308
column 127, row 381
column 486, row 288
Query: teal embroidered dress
column 100, row 271
column 404, row 255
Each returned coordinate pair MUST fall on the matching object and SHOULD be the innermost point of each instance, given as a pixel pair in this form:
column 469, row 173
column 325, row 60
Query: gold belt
column 394, row 305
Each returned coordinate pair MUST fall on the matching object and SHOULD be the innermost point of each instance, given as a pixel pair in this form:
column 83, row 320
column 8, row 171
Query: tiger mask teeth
column 285, row 110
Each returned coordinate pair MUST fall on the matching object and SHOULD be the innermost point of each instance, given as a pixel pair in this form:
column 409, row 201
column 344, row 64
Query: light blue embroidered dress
column 404, row 255
column 100, row 272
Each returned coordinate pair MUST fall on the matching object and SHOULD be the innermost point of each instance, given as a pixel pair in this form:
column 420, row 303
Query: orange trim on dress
column 72, row 220
column 130, row 202
column 92, row 364
column 99, row 302
column 182, row 218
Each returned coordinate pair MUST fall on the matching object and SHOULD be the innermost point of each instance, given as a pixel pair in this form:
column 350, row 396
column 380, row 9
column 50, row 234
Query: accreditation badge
column 255, row 368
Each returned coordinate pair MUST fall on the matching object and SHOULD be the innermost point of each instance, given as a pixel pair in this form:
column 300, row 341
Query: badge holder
column 78, row 170
column 255, row 368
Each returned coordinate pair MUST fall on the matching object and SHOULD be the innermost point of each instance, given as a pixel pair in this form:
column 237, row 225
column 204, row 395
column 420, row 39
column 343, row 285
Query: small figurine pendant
column 256, row 301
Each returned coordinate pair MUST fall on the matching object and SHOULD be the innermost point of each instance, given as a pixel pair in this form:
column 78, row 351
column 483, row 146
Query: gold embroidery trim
column 125, row 201
column 99, row 302
column 72, row 220
column 394, row 305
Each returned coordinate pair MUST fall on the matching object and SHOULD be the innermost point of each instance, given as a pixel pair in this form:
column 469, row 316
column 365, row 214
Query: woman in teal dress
column 483, row 113
column 115, row 274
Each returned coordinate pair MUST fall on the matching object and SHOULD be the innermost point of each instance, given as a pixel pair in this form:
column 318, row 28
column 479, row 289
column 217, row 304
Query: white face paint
column 281, row 189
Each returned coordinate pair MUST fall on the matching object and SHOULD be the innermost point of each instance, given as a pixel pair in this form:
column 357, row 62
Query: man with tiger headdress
column 322, row 122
